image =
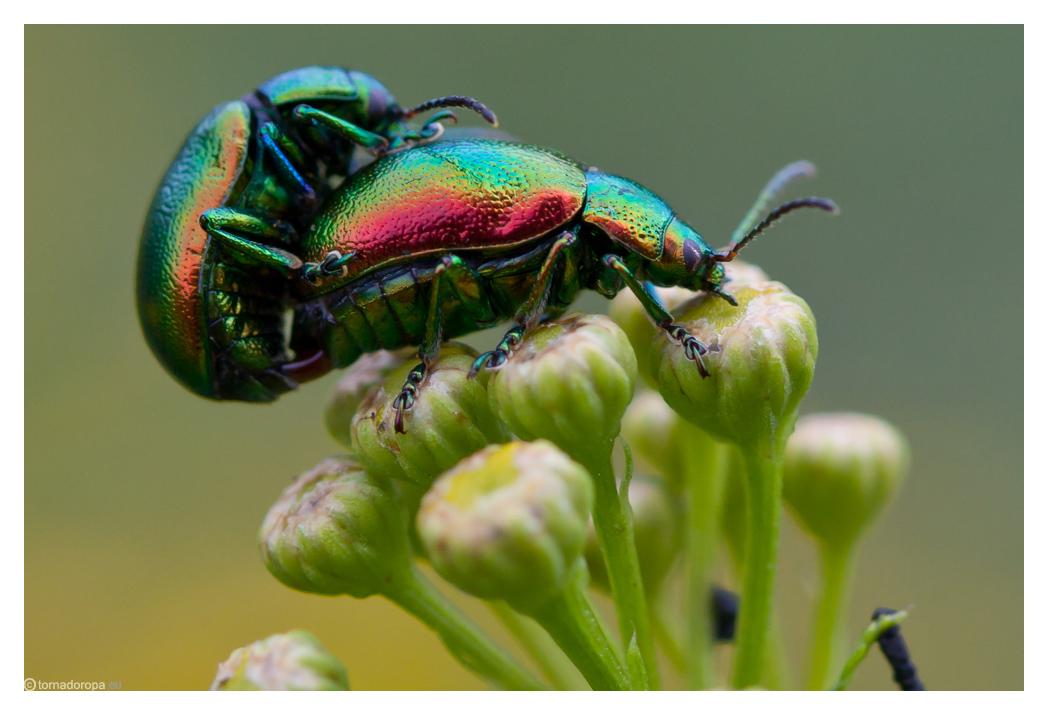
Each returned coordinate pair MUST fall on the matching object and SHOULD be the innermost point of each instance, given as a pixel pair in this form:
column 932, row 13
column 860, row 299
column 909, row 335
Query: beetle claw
column 479, row 364
column 489, row 361
column 694, row 349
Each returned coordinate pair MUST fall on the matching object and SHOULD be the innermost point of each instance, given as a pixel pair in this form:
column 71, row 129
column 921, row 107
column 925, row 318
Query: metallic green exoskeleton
column 216, row 249
column 446, row 239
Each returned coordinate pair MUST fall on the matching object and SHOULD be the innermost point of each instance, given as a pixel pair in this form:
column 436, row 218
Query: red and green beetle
column 217, row 246
column 447, row 239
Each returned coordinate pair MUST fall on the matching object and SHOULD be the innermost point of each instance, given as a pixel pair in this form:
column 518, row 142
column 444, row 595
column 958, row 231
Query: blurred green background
column 142, row 501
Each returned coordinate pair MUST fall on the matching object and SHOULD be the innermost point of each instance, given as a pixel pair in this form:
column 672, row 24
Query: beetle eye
column 692, row 256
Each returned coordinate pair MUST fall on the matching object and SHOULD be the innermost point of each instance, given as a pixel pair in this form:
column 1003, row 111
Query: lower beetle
column 215, row 250
column 446, row 239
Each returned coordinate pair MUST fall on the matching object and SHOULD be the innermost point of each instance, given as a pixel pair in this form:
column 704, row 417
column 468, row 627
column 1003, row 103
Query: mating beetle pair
column 438, row 241
column 215, row 252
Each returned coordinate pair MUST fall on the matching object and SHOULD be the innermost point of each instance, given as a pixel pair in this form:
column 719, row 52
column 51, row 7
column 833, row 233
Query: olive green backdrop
column 142, row 501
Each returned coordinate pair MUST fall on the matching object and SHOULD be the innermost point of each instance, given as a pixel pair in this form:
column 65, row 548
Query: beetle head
column 686, row 260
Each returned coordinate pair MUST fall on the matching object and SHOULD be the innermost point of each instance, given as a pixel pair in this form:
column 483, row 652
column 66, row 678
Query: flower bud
column 628, row 312
column 761, row 359
column 450, row 420
column 367, row 372
column 841, row 470
column 337, row 529
column 741, row 273
column 569, row 381
column 652, row 430
column 656, row 528
column 289, row 661
column 508, row 523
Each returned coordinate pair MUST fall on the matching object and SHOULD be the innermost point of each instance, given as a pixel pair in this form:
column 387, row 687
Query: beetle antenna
column 785, row 175
column 810, row 202
column 454, row 101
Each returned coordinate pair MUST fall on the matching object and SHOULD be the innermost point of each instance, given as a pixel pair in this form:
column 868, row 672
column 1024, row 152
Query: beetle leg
column 369, row 140
column 693, row 348
column 220, row 224
column 286, row 154
column 531, row 310
column 430, row 347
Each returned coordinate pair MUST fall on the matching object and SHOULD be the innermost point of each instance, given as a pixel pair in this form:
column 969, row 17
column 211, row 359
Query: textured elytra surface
column 309, row 84
column 443, row 198
column 173, row 244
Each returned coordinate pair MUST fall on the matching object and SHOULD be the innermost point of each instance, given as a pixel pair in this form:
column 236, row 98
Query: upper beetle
column 216, row 248
column 446, row 239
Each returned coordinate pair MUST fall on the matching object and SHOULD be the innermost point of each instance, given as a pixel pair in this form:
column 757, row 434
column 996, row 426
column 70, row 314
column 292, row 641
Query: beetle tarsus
column 694, row 349
column 496, row 358
column 405, row 401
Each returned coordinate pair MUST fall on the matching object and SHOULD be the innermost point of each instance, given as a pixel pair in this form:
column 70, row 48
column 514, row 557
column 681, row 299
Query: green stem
column 556, row 668
column 777, row 674
column 704, row 462
column 569, row 617
column 416, row 595
column 613, row 522
column 667, row 635
column 830, row 615
column 763, row 515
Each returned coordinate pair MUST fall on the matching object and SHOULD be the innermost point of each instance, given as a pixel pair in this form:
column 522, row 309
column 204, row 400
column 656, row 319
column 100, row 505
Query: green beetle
column 215, row 251
column 446, row 239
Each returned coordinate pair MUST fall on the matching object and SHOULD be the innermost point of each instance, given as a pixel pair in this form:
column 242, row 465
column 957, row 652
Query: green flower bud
column 841, row 470
column 652, row 430
column 508, row 523
column 367, row 372
column 290, row 661
column 741, row 273
column 628, row 312
column 569, row 381
column 451, row 419
column 656, row 528
column 761, row 359
column 337, row 530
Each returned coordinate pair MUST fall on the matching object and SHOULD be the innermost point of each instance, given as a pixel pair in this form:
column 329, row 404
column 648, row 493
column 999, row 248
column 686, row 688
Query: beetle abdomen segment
column 388, row 309
column 470, row 195
column 172, row 250
column 631, row 215
column 245, row 309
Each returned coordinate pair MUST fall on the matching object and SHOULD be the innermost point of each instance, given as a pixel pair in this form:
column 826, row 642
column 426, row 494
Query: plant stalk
column 569, row 617
column 831, row 615
column 470, row 646
column 555, row 666
column 613, row 522
column 704, row 464
column 763, row 482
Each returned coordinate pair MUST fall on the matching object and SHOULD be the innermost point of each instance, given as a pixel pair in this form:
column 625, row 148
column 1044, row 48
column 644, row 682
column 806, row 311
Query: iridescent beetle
column 446, row 239
column 216, row 248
